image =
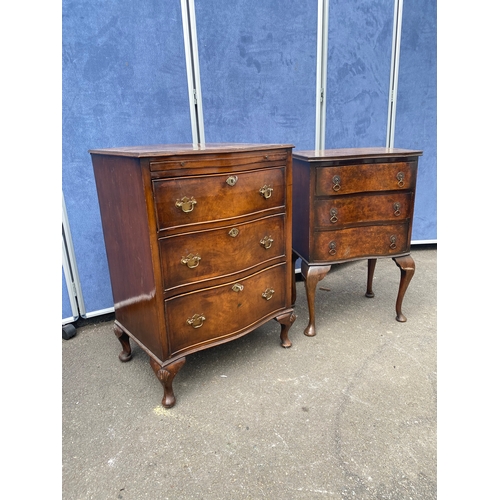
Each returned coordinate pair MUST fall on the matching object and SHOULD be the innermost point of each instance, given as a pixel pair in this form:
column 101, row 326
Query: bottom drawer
column 213, row 314
column 359, row 242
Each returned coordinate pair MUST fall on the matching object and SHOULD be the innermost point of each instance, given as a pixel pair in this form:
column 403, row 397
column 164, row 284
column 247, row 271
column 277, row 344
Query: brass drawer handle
column 400, row 176
column 397, row 209
column 266, row 242
column 266, row 191
column 392, row 239
column 237, row 287
column 191, row 260
column 333, row 215
column 196, row 321
column 186, row 204
column 233, row 232
column 268, row 294
column 336, row 182
column 232, row 180
column 332, row 248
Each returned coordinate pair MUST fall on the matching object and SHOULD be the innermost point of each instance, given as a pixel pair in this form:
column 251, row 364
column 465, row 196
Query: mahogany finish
column 199, row 246
column 352, row 204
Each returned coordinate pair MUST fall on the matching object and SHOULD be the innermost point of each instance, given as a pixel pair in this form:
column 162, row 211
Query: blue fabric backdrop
column 258, row 70
column 416, row 117
column 359, row 68
column 124, row 83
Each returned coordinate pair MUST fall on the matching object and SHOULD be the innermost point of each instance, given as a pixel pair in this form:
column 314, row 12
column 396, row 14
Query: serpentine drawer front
column 198, row 240
column 188, row 258
column 203, row 199
column 351, row 204
column 218, row 312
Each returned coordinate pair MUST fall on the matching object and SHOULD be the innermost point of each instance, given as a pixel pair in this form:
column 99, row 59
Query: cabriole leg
column 407, row 266
column 166, row 376
column 369, row 284
column 312, row 276
column 286, row 320
column 126, row 354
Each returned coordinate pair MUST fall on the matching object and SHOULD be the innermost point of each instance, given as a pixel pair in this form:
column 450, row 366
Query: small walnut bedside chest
column 352, row 204
column 198, row 240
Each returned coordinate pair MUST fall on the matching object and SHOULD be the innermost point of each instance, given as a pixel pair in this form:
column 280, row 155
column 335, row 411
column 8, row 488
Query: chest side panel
column 302, row 214
column 122, row 201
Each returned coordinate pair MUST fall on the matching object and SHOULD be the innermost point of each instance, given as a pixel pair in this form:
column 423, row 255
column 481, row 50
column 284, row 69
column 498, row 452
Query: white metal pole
column 197, row 78
column 393, row 86
column 193, row 72
column 70, row 268
column 321, row 73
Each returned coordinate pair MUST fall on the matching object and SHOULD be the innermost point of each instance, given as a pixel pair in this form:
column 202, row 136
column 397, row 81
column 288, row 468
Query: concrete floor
column 348, row 414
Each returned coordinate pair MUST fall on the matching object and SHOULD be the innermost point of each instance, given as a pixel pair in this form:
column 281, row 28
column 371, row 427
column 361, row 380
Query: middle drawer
column 202, row 255
column 337, row 211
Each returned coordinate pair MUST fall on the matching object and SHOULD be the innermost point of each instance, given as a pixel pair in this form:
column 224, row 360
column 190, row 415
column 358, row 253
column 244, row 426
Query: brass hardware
column 393, row 242
column 266, row 191
column 336, row 182
column 237, row 287
column 266, row 242
column 268, row 294
column 266, row 157
column 333, row 248
column 397, row 209
column 196, row 321
column 232, row 180
column 400, row 176
column 234, row 232
column 183, row 163
column 186, row 204
column 191, row 260
column 333, row 215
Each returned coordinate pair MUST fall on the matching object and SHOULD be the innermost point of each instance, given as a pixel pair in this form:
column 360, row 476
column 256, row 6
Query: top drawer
column 362, row 178
column 183, row 201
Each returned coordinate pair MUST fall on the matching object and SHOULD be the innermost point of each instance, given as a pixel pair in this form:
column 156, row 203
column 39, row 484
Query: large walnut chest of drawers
column 198, row 241
column 352, row 204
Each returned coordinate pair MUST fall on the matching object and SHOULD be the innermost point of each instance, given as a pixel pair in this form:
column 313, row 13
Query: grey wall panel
column 359, row 65
column 124, row 83
column 416, row 117
column 258, row 70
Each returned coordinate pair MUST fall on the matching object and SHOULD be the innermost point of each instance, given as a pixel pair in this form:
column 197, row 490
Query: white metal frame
column 71, row 270
column 321, row 73
column 193, row 72
column 393, row 86
column 69, row 285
